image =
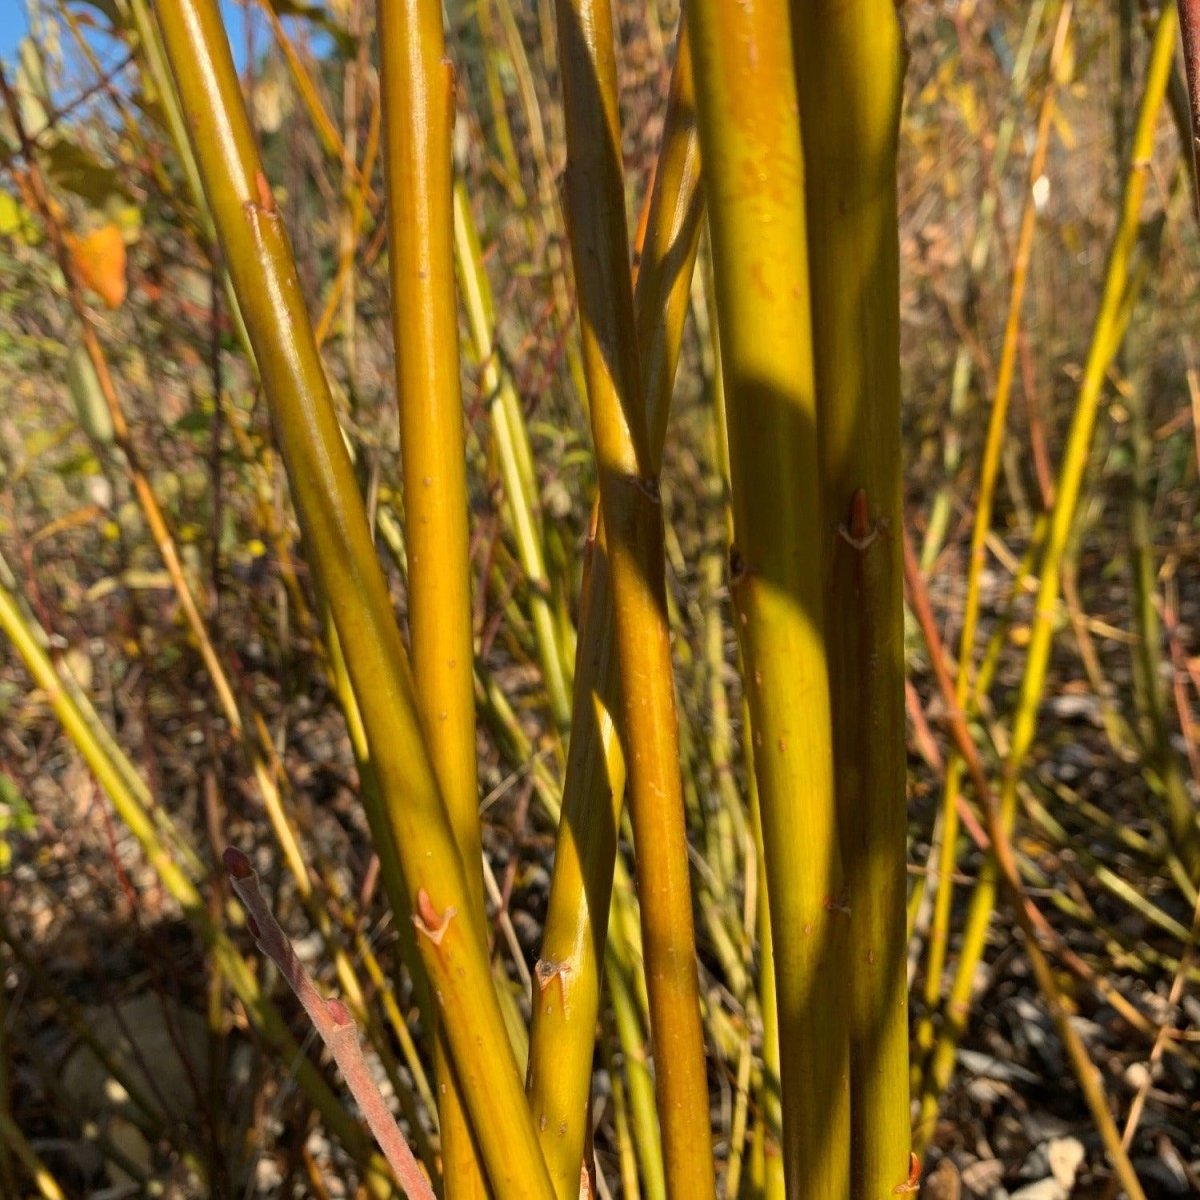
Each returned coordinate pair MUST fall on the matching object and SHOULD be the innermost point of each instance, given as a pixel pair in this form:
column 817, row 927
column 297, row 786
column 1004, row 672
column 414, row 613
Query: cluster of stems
column 793, row 109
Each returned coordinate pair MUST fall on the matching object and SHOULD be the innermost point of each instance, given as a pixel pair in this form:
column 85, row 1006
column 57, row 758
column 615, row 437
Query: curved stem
column 632, row 510
column 443, row 904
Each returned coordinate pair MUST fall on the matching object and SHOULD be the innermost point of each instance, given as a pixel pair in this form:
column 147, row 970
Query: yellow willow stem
column 155, row 518
column 984, row 504
column 443, row 904
column 326, row 130
column 849, row 71
column 564, row 1020
column 545, row 174
column 511, row 441
column 112, row 775
column 632, row 510
column 390, row 870
column 417, row 87
column 754, row 180
column 981, row 248
column 770, row 1105
column 153, row 67
column 1004, row 862
column 990, row 468
column 766, row 1159
column 14, row 1140
column 322, row 916
column 332, row 936
column 164, row 86
column 1104, row 345
column 264, row 778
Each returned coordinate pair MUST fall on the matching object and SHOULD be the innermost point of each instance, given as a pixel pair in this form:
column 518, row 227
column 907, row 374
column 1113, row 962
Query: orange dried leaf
column 100, row 260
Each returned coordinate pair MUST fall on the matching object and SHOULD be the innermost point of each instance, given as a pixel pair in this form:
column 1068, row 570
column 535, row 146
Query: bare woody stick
column 1189, row 22
column 332, row 1020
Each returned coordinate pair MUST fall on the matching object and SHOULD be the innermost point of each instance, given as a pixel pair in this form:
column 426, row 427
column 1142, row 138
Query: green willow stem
column 239, row 727
column 564, row 1019
column 631, row 505
column 1004, row 864
column 112, row 774
column 766, row 1162
column 982, row 520
column 849, row 71
column 450, row 936
column 512, row 446
column 755, row 180
column 981, row 248
column 417, row 90
column 15, row 1141
column 1104, row 345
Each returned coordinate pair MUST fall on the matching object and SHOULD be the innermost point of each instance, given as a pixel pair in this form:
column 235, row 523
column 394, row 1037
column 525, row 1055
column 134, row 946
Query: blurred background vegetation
column 105, row 980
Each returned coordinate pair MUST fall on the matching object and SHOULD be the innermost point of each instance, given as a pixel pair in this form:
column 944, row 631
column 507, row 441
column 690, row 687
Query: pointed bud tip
column 236, row 863
column 339, row 1012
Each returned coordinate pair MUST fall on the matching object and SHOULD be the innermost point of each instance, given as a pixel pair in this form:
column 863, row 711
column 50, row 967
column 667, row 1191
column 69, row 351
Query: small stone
column 1066, row 1155
column 980, row 1178
column 1137, row 1075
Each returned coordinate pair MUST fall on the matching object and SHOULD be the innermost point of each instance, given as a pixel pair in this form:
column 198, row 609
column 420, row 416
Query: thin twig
column 332, row 1021
column 1189, row 23
column 1006, row 865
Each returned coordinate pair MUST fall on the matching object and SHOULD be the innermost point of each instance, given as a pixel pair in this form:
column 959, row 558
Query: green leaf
column 77, row 170
column 16, row 220
column 317, row 16
column 196, row 421
column 18, row 811
column 90, row 405
column 84, row 463
column 108, row 8
column 16, row 816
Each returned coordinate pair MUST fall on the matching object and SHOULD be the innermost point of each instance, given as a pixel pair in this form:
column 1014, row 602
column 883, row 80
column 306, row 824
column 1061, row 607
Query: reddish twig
column 1031, row 919
column 1027, row 915
column 331, row 1019
column 1189, row 24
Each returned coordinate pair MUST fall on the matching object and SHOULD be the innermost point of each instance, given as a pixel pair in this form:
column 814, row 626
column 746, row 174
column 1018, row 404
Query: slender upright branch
column 1107, row 334
column 632, row 511
column 754, row 181
column 417, row 85
column 331, row 513
column 981, row 523
column 1005, row 862
column 849, row 71
column 333, row 1023
column 564, row 1017
column 1189, row 25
